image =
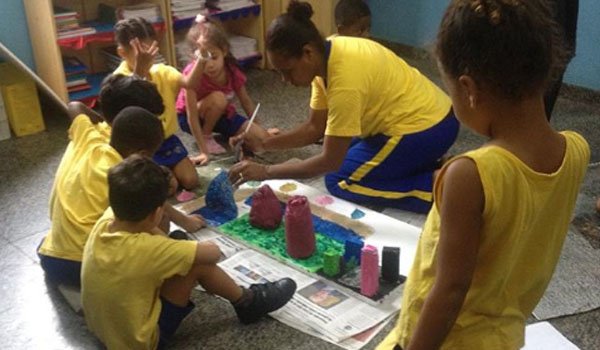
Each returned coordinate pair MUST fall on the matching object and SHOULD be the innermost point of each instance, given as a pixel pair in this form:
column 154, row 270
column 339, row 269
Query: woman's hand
column 247, row 171
column 253, row 144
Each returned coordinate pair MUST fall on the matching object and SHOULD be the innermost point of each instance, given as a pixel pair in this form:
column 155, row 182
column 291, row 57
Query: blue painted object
column 352, row 251
column 220, row 204
column 357, row 214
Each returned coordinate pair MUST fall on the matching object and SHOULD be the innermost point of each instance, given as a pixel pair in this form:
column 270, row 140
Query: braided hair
column 289, row 32
column 510, row 46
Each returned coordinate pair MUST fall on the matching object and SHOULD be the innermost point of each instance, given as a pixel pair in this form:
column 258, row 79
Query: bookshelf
column 90, row 48
column 246, row 21
column 50, row 48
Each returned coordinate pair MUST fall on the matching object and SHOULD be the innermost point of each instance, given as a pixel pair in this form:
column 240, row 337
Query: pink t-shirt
column 235, row 81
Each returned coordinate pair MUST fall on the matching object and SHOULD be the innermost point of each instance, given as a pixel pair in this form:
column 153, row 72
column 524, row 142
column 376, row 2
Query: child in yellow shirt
column 501, row 212
column 136, row 285
column 137, row 45
column 80, row 192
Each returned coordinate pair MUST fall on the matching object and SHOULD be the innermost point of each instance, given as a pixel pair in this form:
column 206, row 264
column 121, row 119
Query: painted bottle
column 299, row 230
column 369, row 271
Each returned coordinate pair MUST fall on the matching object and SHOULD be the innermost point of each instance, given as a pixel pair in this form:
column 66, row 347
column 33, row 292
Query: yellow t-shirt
column 80, row 192
column 525, row 220
column 105, row 130
column 121, row 277
column 167, row 80
column 370, row 90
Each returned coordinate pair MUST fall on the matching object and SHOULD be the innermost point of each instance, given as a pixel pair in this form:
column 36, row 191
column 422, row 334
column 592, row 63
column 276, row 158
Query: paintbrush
column 237, row 149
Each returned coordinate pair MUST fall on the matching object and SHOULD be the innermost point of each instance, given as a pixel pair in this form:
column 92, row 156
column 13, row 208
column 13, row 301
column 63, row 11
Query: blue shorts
column 171, row 152
column 170, row 318
column 60, row 271
column 225, row 126
column 394, row 171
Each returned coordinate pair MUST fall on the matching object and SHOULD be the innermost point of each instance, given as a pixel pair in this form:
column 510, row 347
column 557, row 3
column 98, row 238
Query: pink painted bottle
column 369, row 271
column 299, row 230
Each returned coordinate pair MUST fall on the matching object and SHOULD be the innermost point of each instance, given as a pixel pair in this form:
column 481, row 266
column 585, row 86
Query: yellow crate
column 21, row 101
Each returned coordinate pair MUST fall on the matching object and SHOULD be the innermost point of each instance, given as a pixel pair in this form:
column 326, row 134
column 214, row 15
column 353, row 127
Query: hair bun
column 300, row 10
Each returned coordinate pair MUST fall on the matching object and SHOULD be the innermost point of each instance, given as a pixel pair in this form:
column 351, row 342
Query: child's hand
column 192, row 223
column 144, row 56
column 201, row 159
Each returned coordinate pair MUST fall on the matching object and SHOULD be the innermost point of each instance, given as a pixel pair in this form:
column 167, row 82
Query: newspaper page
column 317, row 304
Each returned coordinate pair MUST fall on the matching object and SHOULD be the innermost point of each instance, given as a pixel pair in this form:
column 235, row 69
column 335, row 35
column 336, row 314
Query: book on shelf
column 112, row 59
column 80, row 31
column 228, row 5
column 187, row 8
column 146, row 10
column 242, row 46
column 81, row 87
column 73, row 66
column 61, row 12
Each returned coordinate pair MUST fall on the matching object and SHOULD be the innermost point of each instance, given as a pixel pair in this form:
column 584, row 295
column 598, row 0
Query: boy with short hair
column 80, row 192
column 353, row 18
column 136, row 285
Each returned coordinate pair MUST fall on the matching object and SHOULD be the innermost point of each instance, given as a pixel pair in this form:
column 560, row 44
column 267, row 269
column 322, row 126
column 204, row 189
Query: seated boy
column 80, row 192
column 353, row 18
column 119, row 91
column 136, row 285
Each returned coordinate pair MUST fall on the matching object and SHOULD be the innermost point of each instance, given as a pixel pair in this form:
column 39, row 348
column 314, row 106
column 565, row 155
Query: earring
column 472, row 101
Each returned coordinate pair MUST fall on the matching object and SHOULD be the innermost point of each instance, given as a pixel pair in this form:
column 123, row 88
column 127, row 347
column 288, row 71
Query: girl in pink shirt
column 209, row 107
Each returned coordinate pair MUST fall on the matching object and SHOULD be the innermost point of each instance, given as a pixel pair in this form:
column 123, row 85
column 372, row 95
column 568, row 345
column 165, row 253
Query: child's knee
column 188, row 180
column 215, row 102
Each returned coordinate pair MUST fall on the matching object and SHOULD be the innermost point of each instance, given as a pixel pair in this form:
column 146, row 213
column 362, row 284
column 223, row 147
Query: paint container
column 369, row 271
column 299, row 231
column 390, row 264
column 352, row 252
column 331, row 263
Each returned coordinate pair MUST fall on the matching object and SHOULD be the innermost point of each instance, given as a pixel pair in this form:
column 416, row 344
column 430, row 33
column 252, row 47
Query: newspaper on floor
column 319, row 307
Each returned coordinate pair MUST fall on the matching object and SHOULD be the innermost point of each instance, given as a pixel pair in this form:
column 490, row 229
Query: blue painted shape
column 220, row 204
column 352, row 251
column 357, row 214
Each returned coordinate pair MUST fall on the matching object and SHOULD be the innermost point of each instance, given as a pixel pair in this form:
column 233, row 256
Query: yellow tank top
column 526, row 218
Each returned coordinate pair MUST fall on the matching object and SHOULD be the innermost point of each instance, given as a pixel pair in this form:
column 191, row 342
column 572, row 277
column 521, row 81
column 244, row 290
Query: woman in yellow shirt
column 385, row 126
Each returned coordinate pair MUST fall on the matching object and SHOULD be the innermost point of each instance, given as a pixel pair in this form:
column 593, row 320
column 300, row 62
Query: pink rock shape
column 299, row 230
column 369, row 271
column 266, row 210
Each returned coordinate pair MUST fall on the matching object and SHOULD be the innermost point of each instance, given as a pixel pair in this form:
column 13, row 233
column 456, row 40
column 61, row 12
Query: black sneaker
column 260, row 299
column 179, row 235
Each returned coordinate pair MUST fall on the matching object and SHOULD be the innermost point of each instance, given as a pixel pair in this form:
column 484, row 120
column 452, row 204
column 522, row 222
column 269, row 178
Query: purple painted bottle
column 299, row 230
column 369, row 271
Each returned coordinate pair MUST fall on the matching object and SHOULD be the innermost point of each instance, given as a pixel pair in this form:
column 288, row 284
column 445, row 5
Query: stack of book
column 76, row 73
column 146, row 10
column 187, row 8
column 67, row 24
column 228, row 5
column 242, row 46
